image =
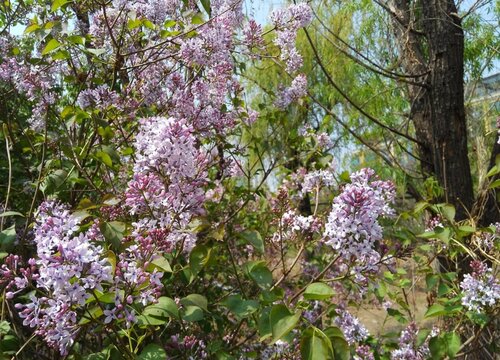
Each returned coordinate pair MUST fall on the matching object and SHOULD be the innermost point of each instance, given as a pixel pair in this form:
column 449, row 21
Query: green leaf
column 199, row 258
column 448, row 211
column 264, row 324
column 241, row 308
column 11, row 213
column 478, row 318
column 494, row 184
column 76, row 39
column 196, row 300
column 164, row 308
column 91, row 314
column 153, row 352
column 396, row 314
column 315, row 345
column 206, row 6
column 104, row 158
column 431, row 281
column 340, row 346
column 282, row 321
column 255, row 239
column 96, row 52
column 52, row 45
column 452, row 343
column 447, row 344
column 258, row 272
column 161, row 263
column 466, row 229
column 53, row 181
column 56, row 4
column 437, row 348
column 420, row 206
column 4, row 327
column 435, row 310
column 318, row 291
column 493, row 171
column 197, row 19
column 7, row 238
column 149, row 320
column 113, row 232
column 193, row 313
column 444, row 235
column 31, row 28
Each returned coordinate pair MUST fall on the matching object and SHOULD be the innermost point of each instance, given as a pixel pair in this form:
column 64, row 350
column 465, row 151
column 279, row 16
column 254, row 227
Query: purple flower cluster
column 481, row 288
column 287, row 22
column 102, row 97
column 353, row 228
column 35, row 83
column 297, row 90
column 170, row 174
column 433, row 223
column 317, row 179
column 408, row 347
column 70, row 269
column 299, row 223
column 14, row 276
column 352, row 329
column 364, row 352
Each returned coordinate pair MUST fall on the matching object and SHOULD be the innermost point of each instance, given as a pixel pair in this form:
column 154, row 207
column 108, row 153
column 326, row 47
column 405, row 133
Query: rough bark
column 431, row 42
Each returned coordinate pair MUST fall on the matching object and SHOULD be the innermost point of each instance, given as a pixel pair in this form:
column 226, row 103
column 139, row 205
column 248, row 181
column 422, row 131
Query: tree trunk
column 431, row 42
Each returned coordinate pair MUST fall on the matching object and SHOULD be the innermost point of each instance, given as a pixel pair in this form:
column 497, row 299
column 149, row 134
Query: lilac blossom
column 315, row 180
column 287, row 22
column 481, row 288
column 70, row 268
column 35, row 83
column 352, row 329
column 166, row 148
column 353, row 228
column 408, row 348
column 297, row 90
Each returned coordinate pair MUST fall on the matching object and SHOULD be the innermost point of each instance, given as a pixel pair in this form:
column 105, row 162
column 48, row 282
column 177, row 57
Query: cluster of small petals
column 296, row 222
column 481, row 289
column 353, row 228
column 69, row 269
column 145, row 192
column 315, row 180
column 252, row 35
column 364, row 352
column 498, row 127
column 14, row 277
column 33, row 82
column 287, row 22
column 488, row 241
column 297, row 90
column 276, row 351
column 352, row 329
column 433, row 223
column 170, row 171
column 408, row 348
column 100, row 98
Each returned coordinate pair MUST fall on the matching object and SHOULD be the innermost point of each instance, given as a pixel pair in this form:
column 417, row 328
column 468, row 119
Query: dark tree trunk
column 431, row 42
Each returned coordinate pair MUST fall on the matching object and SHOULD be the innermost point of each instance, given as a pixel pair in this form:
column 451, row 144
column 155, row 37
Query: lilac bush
column 154, row 224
